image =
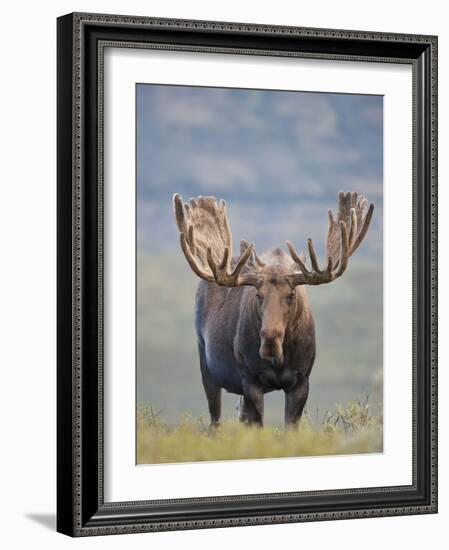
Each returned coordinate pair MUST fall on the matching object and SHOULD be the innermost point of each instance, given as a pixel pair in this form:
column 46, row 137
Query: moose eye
column 290, row 298
column 259, row 297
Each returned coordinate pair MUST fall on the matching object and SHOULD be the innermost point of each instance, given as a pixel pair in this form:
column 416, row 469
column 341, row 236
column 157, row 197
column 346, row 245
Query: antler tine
column 242, row 260
column 297, row 258
column 312, row 254
column 345, row 234
column 366, row 222
column 224, row 261
column 179, row 212
column 344, row 251
column 352, row 227
column 243, row 246
column 225, row 278
column 191, row 240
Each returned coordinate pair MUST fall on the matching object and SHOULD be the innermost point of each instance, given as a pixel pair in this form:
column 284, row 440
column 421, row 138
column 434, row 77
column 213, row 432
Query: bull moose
column 253, row 317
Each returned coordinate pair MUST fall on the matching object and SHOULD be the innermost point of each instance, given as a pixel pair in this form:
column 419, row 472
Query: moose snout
column 271, row 335
column 271, row 346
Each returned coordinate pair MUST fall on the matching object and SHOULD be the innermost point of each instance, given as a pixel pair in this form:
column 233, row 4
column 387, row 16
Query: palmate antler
column 206, row 241
column 343, row 238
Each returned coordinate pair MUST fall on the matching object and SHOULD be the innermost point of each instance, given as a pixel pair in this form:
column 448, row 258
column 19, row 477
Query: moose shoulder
column 253, row 318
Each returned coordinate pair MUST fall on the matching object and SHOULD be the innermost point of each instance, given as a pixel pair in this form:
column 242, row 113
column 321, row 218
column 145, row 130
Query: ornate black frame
column 81, row 509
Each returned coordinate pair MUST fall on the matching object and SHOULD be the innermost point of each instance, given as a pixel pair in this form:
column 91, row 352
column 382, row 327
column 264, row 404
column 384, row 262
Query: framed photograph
column 247, row 278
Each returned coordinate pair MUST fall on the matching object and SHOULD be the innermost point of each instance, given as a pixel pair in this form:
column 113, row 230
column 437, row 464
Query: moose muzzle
column 271, row 346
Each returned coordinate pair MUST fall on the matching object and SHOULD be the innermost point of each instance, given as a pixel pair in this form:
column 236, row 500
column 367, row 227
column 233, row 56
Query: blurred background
column 279, row 159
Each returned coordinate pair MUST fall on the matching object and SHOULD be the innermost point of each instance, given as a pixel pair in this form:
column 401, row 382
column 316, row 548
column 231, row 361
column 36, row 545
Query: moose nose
column 271, row 346
column 271, row 335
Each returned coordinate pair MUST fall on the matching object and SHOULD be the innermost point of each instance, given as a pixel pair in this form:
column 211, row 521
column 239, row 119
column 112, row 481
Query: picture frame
column 81, row 506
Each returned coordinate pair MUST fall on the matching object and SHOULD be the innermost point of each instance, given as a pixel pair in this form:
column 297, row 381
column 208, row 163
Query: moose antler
column 343, row 238
column 206, row 241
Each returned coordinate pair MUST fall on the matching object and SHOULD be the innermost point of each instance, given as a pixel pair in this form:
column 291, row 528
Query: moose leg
column 295, row 399
column 213, row 394
column 252, row 405
column 243, row 413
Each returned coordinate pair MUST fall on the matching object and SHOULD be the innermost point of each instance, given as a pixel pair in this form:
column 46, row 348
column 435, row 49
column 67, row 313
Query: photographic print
column 259, row 273
column 247, row 274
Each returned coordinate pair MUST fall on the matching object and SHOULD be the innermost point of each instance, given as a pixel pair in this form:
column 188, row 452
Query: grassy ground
column 347, row 430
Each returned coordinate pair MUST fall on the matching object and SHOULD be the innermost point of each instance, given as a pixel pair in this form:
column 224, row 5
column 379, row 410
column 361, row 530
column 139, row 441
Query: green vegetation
column 346, row 430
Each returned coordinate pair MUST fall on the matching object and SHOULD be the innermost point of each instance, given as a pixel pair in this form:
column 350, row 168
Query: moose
column 253, row 318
